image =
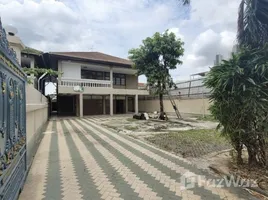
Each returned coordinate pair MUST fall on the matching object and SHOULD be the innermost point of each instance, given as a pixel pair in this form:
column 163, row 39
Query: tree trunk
column 252, row 157
column 161, row 103
column 239, row 159
column 162, row 115
column 256, row 150
column 238, row 146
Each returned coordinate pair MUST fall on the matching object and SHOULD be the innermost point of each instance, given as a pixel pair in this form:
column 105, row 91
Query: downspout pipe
column 43, row 75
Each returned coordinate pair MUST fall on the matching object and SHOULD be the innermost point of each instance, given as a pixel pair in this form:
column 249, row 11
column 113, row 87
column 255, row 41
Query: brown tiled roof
column 94, row 56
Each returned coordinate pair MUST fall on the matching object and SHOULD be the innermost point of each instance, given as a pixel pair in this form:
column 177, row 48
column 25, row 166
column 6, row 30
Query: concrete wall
column 185, row 106
column 16, row 44
column 36, row 118
column 131, row 82
column 18, row 53
column 102, row 91
column 70, row 70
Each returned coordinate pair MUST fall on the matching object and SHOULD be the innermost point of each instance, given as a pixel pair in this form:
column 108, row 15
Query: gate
column 12, row 122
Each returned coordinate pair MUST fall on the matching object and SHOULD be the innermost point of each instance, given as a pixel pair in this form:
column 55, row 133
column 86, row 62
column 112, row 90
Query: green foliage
column 29, row 50
column 207, row 118
column 156, row 57
column 239, row 92
column 38, row 72
column 253, row 23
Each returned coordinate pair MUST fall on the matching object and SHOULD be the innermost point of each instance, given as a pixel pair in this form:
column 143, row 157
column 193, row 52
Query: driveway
column 80, row 159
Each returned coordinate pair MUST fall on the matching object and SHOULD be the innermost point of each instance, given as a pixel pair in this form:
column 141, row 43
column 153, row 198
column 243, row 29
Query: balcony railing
column 84, row 83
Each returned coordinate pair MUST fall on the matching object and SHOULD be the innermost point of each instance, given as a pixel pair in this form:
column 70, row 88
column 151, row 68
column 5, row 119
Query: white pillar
column 104, row 105
column 32, row 67
column 81, row 104
column 111, row 104
column 126, row 104
column 136, row 104
column 111, row 77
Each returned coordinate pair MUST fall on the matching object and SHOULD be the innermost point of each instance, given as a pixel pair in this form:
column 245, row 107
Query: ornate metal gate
column 12, row 122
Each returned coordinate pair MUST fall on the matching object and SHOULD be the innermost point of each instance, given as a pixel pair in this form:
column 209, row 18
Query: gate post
column 13, row 165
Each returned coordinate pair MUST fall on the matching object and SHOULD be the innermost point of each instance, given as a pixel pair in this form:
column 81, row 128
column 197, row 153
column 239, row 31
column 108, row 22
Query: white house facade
column 92, row 83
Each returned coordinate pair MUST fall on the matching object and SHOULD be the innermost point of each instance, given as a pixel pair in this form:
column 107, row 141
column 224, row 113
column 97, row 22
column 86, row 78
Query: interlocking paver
column 142, row 164
column 80, row 159
column 70, row 186
column 172, row 166
column 37, row 175
column 115, row 162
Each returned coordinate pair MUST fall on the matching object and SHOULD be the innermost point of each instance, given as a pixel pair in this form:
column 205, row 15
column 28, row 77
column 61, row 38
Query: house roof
column 94, row 56
column 29, row 50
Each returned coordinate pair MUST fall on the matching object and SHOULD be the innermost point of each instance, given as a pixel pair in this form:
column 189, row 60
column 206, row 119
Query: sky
column 208, row 27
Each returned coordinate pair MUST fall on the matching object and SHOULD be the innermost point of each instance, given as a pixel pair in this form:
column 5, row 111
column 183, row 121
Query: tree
column 155, row 58
column 239, row 92
column 239, row 85
column 38, row 72
column 252, row 26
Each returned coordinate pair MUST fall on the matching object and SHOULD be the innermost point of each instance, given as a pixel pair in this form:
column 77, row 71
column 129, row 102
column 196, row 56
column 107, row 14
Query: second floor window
column 118, row 79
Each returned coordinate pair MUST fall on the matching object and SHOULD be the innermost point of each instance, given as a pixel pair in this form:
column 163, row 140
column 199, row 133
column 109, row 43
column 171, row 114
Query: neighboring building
column 193, row 88
column 235, row 49
column 14, row 41
column 94, row 83
column 218, row 60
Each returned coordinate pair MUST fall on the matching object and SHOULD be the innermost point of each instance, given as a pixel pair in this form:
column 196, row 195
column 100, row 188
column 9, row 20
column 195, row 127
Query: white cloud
column 115, row 26
column 176, row 31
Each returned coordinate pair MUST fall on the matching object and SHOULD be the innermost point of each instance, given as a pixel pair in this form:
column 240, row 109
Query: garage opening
column 67, row 105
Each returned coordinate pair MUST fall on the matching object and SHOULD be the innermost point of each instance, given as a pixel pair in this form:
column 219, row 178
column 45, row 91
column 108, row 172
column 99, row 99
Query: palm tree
column 252, row 29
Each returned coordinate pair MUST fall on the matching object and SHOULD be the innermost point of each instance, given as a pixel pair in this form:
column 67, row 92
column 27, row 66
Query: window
column 97, row 75
column 106, row 76
column 119, row 79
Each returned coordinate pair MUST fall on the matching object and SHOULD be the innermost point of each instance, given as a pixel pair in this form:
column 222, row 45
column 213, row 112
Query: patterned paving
column 78, row 159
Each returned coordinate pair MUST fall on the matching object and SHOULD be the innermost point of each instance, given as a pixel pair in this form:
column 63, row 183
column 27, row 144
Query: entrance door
column 119, row 106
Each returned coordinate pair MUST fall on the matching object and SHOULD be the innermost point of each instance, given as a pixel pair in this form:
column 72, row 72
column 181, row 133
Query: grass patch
column 207, row 118
column 191, row 143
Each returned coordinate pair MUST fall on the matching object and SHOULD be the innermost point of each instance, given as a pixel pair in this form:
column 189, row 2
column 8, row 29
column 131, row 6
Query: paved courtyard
column 79, row 159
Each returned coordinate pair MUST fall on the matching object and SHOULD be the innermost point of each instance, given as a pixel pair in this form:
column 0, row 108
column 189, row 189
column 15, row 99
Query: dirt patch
column 190, row 143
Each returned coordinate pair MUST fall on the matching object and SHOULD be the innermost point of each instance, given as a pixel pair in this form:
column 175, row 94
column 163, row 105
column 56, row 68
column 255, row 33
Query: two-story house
column 93, row 83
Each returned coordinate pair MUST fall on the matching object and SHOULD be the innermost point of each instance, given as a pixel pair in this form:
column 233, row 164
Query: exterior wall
column 36, row 118
column 16, row 44
column 186, row 106
column 131, row 82
column 18, row 52
column 70, row 70
column 102, row 91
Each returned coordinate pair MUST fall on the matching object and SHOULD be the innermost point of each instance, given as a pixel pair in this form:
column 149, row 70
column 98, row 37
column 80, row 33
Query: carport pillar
column 111, row 104
column 81, row 105
column 126, row 104
column 136, row 104
column 104, row 105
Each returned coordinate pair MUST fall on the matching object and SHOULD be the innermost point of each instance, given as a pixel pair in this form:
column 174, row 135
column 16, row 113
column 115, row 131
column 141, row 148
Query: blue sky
column 115, row 26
